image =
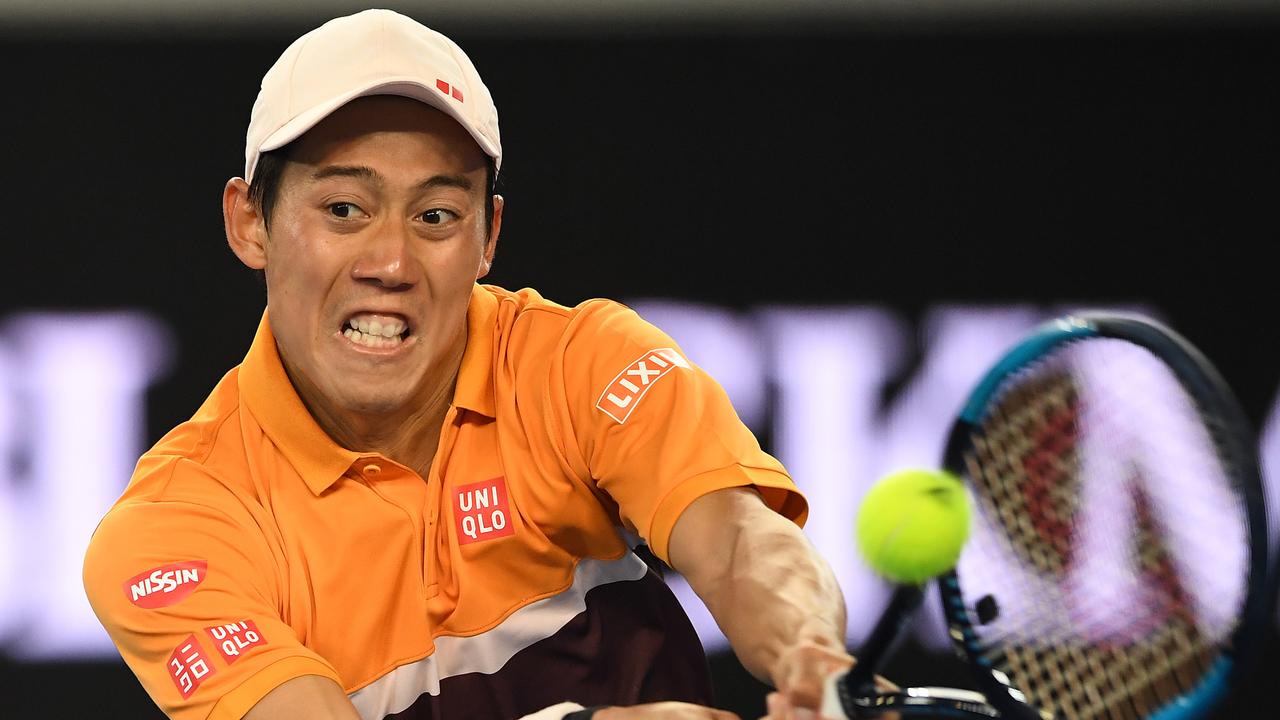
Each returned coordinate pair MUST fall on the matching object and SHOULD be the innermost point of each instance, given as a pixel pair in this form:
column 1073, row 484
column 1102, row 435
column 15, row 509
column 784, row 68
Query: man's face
column 375, row 241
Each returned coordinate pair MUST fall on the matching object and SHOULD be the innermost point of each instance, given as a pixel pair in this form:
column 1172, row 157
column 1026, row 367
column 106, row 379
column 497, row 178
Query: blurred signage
column 72, row 425
column 841, row 395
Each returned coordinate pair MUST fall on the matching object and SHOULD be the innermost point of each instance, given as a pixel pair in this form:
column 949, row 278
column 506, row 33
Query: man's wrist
column 814, row 634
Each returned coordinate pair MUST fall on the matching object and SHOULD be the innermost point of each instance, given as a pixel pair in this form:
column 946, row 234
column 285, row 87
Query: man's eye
column 342, row 210
column 437, row 216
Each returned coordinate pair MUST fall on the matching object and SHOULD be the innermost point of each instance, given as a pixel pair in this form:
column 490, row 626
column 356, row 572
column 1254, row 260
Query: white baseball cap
column 373, row 52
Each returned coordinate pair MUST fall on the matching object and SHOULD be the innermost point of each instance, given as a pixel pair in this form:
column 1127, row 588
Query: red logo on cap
column 188, row 666
column 443, row 87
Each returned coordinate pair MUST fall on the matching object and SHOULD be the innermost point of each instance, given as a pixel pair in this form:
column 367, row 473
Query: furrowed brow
column 358, row 172
column 455, row 181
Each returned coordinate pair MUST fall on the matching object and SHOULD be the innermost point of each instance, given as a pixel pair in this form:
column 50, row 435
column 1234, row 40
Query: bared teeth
column 371, row 340
column 377, row 325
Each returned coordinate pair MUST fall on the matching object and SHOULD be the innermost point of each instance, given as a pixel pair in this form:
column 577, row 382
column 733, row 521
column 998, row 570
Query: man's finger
column 806, row 672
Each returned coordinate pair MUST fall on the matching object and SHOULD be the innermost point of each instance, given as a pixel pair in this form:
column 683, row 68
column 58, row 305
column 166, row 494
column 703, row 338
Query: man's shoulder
column 530, row 312
column 189, row 462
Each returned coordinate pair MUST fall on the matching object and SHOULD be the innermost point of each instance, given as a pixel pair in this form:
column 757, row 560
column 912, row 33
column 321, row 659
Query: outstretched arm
column 772, row 594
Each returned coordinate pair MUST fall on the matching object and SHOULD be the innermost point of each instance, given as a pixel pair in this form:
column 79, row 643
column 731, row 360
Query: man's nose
column 385, row 256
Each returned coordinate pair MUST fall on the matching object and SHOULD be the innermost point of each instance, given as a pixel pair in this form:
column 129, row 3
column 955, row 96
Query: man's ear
column 491, row 242
column 245, row 226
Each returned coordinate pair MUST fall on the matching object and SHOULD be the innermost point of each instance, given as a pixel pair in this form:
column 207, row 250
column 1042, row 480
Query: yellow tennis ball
column 912, row 525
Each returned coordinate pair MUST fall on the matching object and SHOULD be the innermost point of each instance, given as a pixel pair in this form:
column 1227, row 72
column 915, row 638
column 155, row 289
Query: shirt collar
column 270, row 397
column 474, row 388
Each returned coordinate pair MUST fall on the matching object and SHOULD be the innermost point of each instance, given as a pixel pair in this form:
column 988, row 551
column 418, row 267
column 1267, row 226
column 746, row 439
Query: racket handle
column 906, row 599
column 832, row 704
column 841, row 687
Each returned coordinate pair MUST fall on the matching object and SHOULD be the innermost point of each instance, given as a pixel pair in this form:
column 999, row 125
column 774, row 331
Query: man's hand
column 804, row 666
column 674, row 710
column 803, row 670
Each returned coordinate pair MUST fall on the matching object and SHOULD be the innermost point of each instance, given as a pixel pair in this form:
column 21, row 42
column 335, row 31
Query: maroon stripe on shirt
column 632, row 644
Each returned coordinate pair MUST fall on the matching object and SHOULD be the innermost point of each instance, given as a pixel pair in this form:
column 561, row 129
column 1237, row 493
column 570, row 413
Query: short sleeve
column 655, row 430
column 188, row 591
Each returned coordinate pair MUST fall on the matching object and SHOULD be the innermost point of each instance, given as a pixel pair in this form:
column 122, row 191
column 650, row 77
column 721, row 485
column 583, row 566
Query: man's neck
column 410, row 440
column 409, row 437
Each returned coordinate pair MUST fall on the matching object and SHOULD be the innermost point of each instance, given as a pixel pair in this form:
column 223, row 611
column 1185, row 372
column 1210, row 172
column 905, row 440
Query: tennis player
column 420, row 496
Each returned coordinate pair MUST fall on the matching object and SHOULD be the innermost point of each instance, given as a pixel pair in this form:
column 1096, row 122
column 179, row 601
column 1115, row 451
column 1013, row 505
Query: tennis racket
column 1116, row 565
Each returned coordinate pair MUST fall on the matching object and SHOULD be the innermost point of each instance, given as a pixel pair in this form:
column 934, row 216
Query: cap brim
column 404, row 87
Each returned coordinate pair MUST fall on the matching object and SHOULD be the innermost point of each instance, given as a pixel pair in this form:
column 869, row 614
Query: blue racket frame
column 1211, row 392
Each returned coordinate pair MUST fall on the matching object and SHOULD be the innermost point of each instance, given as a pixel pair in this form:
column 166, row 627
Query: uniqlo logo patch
column 189, row 666
column 235, row 639
column 481, row 511
column 166, row 584
column 622, row 395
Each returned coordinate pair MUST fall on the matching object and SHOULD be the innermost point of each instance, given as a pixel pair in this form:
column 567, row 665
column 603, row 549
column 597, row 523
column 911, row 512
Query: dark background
column 1131, row 160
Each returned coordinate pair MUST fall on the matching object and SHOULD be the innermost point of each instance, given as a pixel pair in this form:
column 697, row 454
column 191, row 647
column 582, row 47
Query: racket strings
column 1170, row 604
column 1100, row 491
column 1031, row 437
column 1086, row 682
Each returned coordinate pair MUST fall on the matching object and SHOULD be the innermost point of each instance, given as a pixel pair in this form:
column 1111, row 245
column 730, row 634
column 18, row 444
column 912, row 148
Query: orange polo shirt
column 250, row 549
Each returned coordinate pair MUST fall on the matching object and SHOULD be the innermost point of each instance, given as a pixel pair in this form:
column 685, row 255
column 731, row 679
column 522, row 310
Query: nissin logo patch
column 624, row 393
column 166, row 584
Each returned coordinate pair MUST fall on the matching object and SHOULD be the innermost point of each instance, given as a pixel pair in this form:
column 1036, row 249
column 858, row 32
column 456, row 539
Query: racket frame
column 1214, row 397
column 854, row 694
